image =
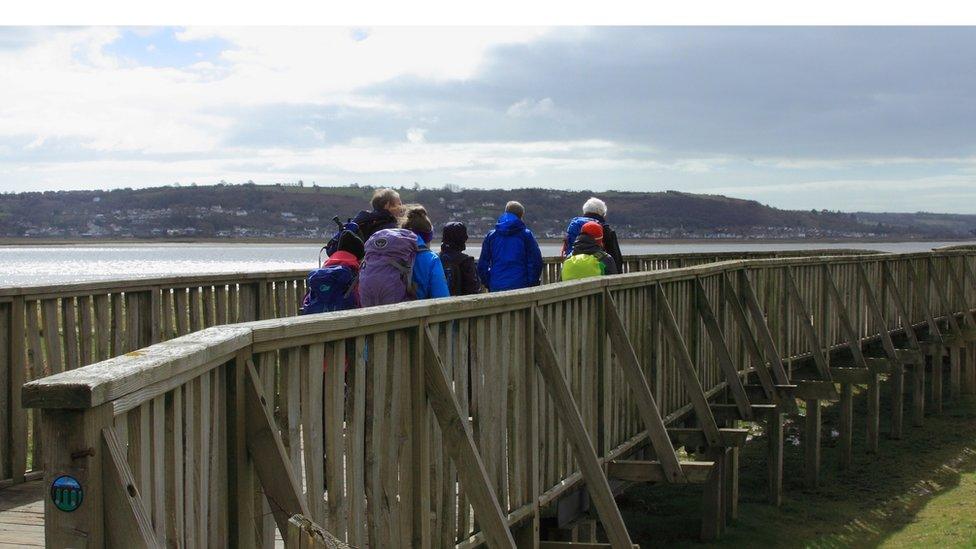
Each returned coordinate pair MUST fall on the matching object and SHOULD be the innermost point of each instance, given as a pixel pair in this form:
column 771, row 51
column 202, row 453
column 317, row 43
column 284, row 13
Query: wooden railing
column 48, row 329
column 439, row 422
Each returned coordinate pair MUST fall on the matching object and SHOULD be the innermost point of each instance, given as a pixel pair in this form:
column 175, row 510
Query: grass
column 916, row 492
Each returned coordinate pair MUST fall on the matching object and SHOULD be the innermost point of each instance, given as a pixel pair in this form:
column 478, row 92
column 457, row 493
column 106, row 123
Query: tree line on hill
column 305, row 212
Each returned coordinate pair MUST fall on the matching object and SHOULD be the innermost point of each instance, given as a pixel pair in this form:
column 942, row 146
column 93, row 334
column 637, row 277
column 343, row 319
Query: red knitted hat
column 593, row 229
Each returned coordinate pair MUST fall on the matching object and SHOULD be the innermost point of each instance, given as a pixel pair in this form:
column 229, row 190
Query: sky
column 839, row 118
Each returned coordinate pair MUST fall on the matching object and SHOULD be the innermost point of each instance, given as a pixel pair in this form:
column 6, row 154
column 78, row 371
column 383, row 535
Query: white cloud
column 528, row 108
column 417, row 135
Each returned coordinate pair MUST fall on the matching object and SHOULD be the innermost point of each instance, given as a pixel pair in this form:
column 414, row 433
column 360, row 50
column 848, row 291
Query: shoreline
column 25, row 241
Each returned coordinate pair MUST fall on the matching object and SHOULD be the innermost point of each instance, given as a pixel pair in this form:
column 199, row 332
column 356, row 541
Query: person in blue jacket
column 428, row 272
column 510, row 256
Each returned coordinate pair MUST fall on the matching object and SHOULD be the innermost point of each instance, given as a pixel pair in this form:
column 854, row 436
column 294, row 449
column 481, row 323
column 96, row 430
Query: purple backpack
column 387, row 272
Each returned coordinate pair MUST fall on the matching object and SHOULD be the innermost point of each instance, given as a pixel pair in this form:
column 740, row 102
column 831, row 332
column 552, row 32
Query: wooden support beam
column 748, row 340
column 921, row 294
column 935, row 356
column 784, row 396
column 811, row 444
column 774, row 441
column 127, row 524
column 806, row 325
column 692, row 437
column 721, row 349
column 271, row 462
column 599, row 489
column 878, row 365
column 918, row 393
column 847, row 328
column 458, row 440
column 897, row 377
column 713, row 503
column 846, row 425
column 857, row 376
column 817, row 390
column 687, row 369
column 901, row 305
column 940, row 293
column 646, row 405
column 762, row 328
column 970, row 384
column 653, row 471
column 725, row 413
column 874, row 308
column 874, row 412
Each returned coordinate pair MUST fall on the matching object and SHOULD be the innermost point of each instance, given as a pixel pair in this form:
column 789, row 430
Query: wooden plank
column 270, row 460
column 713, row 521
column 357, row 474
column 687, row 370
column 86, row 332
column 312, row 431
column 128, row 524
column 118, row 325
column 696, row 472
column 69, row 320
column 18, row 371
column 953, row 277
column 460, row 441
column 50, row 313
column 378, row 516
column 576, row 432
column 806, row 326
column 173, row 467
column 634, row 375
column 333, row 406
column 765, row 335
column 721, row 350
column 774, row 435
column 748, row 339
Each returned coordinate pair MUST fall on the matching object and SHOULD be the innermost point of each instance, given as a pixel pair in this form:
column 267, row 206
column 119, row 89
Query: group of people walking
column 383, row 256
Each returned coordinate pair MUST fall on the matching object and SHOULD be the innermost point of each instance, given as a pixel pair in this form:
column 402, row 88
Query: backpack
column 581, row 265
column 333, row 244
column 386, row 275
column 452, row 272
column 329, row 289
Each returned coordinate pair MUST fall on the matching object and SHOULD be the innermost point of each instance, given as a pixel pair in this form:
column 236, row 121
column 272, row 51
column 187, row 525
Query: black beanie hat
column 350, row 242
column 455, row 233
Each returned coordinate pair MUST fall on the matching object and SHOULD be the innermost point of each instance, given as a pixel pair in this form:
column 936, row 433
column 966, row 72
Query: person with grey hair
column 386, row 212
column 510, row 256
column 594, row 209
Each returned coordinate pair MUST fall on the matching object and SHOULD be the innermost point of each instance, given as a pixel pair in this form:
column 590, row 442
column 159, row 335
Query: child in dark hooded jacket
column 460, row 268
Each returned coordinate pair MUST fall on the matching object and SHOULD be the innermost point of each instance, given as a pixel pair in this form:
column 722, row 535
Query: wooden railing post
column 72, row 442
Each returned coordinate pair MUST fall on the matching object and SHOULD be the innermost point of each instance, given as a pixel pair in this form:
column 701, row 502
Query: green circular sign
column 67, row 493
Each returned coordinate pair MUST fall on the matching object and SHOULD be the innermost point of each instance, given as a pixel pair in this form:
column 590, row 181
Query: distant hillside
column 304, row 212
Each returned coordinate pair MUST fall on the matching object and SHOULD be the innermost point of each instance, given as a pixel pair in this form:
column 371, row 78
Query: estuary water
column 28, row 265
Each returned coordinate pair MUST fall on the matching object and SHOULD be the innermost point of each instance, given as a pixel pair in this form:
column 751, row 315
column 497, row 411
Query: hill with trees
column 305, row 212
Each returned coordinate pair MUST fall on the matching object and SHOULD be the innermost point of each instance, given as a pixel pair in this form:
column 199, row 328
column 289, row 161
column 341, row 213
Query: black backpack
column 452, row 271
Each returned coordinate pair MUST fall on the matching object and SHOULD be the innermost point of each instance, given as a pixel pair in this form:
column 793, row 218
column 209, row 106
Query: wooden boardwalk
column 468, row 422
column 22, row 515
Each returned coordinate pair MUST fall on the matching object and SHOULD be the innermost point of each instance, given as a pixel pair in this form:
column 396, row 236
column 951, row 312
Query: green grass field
column 916, row 492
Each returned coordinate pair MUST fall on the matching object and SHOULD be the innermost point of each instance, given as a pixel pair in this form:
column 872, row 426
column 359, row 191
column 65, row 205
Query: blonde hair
column 516, row 208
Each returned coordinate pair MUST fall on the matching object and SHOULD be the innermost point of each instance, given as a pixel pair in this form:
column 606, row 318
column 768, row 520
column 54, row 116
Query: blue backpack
column 329, row 289
column 333, row 244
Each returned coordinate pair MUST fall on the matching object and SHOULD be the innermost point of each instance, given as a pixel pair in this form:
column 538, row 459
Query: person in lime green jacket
column 588, row 258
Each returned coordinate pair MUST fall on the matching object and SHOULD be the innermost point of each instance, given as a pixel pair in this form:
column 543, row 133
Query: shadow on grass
column 860, row 507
